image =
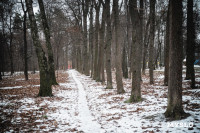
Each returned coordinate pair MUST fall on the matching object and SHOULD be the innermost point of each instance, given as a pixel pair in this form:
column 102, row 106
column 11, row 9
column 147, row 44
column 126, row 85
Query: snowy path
column 88, row 124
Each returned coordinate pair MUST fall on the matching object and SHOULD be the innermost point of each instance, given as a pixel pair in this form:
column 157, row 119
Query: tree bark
column 108, row 46
column 100, row 75
column 97, row 8
column 85, row 8
column 45, row 87
column 166, row 73
column 46, row 29
column 3, row 45
column 91, row 39
column 190, row 48
column 0, row 75
column 11, row 56
column 118, row 63
column 137, row 37
column 102, row 44
column 25, row 50
column 152, row 35
column 124, row 61
column 145, row 50
column 25, row 44
column 66, row 56
column 10, row 49
column 174, row 105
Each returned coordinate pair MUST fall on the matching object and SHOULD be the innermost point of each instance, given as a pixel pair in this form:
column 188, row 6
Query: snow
column 88, row 124
column 14, row 87
column 196, row 66
column 17, row 87
column 84, row 105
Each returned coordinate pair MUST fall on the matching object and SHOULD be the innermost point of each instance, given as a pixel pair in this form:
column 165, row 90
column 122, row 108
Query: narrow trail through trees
column 87, row 121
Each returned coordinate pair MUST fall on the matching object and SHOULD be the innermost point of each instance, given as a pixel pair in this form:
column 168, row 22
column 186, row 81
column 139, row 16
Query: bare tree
column 146, row 44
column 100, row 66
column 137, row 38
column 108, row 46
column 8, row 7
column 166, row 73
column 48, row 44
column 190, row 48
column 174, row 105
column 85, row 8
column 45, row 87
column 91, row 38
column 97, row 9
column 152, row 35
column 118, row 63
column 25, row 42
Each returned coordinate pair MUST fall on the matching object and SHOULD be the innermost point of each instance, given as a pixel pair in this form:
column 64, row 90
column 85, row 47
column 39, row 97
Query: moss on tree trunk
column 45, row 85
column 46, row 29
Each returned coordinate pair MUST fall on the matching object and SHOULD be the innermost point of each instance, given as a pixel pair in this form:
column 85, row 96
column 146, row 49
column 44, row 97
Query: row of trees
column 151, row 29
column 105, row 35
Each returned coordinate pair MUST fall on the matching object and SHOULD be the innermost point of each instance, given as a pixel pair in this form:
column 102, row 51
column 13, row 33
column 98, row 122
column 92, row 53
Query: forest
column 98, row 66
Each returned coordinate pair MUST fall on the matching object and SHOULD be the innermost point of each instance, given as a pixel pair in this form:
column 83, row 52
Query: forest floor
column 81, row 104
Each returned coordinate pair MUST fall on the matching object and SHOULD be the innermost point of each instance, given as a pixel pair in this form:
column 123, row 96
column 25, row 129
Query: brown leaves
column 13, row 117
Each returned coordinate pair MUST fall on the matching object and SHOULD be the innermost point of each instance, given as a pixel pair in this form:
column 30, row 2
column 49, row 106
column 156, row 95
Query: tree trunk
column 25, row 44
column 190, row 48
column 166, row 73
column 46, row 29
column 146, row 42
column 152, row 34
column 2, row 49
column 102, row 45
column 66, row 56
column 137, row 37
column 74, row 66
column 118, row 63
column 174, row 106
column 1, row 57
column 10, row 50
column 45, row 87
column 100, row 76
column 97, row 8
column 128, row 37
column 0, row 75
column 126, row 44
column 11, row 56
column 25, row 50
column 85, row 51
column 91, row 39
column 108, row 46
column 145, row 50
column 124, row 61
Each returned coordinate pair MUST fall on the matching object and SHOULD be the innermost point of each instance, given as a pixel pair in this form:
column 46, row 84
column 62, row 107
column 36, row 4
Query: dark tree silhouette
column 190, row 48
column 152, row 35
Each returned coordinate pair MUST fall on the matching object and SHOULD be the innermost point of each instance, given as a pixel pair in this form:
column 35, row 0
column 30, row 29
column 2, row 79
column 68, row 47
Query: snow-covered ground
column 84, row 105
